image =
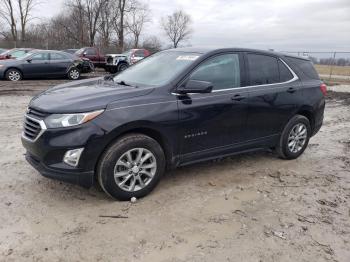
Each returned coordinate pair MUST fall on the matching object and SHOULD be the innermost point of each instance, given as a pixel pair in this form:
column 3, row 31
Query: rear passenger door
column 274, row 91
column 59, row 63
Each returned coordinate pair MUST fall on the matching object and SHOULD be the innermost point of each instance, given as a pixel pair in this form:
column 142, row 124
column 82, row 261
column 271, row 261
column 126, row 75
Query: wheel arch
column 13, row 67
column 308, row 113
column 145, row 129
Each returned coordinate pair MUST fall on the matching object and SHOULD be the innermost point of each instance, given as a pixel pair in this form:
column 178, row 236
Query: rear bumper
column 84, row 179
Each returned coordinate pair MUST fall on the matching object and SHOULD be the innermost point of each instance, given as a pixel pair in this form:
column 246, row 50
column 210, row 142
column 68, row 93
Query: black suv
column 173, row 108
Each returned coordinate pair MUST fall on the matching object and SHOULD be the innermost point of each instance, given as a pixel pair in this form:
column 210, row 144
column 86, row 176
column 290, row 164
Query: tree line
column 109, row 24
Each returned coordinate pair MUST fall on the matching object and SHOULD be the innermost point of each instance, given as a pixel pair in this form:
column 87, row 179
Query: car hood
column 84, row 96
column 8, row 62
column 116, row 55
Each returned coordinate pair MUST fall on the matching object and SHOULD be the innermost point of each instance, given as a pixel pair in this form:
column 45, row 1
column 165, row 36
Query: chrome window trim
column 295, row 77
column 42, row 125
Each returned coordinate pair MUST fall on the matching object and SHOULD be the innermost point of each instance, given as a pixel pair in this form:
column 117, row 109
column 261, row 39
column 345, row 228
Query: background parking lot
column 252, row 207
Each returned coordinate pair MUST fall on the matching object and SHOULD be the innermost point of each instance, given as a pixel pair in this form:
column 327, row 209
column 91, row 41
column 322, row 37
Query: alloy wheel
column 74, row 74
column 297, row 138
column 135, row 169
column 14, row 75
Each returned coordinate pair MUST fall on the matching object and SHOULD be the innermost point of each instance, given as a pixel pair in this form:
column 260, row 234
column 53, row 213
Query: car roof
column 208, row 50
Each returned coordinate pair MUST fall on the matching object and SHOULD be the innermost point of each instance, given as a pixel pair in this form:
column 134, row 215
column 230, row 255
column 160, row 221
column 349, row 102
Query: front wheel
column 13, row 75
column 131, row 167
column 122, row 67
column 74, row 74
column 295, row 137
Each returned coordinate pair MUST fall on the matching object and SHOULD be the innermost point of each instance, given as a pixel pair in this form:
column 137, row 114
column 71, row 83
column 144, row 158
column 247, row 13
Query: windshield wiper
column 123, row 83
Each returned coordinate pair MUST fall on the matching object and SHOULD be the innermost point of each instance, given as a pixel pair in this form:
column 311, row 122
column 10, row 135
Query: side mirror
column 85, row 53
column 8, row 56
column 195, row 86
column 29, row 60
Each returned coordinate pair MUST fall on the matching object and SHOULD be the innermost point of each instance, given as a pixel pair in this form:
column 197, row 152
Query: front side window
column 40, row 57
column 90, row 51
column 223, row 71
column 263, row 69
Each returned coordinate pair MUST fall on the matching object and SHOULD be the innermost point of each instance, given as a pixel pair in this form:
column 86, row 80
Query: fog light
column 71, row 157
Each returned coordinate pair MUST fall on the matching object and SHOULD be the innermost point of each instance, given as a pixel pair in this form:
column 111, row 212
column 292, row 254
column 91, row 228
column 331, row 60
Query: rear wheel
column 74, row 74
column 13, row 75
column 131, row 167
column 295, row 138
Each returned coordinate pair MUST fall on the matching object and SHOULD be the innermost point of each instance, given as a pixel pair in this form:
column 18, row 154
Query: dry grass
column 337, row 70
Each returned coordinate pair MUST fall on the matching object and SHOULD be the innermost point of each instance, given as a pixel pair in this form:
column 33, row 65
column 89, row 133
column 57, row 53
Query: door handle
column 291, row 90
column 237, row 97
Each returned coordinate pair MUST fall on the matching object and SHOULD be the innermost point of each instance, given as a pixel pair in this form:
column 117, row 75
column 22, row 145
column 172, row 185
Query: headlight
column 66, row 120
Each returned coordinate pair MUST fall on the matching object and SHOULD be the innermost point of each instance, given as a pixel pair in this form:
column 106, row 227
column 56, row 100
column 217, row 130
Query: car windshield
column 157, row 69
column 80, row 51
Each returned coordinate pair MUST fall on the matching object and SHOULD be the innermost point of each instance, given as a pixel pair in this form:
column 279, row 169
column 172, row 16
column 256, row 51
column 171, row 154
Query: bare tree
column 153, row 44
column 137, row 18
column 177, row 27
column 25, row 9
column 7, row 15
column 106, row 23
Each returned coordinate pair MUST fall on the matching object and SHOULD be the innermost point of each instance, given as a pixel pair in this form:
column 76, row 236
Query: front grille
column 33, row 125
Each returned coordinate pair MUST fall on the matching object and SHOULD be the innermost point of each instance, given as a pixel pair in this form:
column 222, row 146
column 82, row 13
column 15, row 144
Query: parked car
column 42, row 63
column 174, row 108
column 15, row 53
column 94, row 54
column 119, row 62
column 87, row 65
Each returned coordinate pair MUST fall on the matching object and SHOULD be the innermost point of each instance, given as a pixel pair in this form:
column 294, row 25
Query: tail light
column 323, row 88
column 132, row 59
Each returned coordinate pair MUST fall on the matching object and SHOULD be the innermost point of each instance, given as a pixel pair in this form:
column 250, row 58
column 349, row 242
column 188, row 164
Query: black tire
column 283, row 149
column 73, row 73
column 107, row 164
column 14, row 75
column 122, row 67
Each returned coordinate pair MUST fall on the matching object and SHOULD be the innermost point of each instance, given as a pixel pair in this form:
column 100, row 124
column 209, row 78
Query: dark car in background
column 93, row 54
column 174, row 108
column 119, row 62
column 15, row 53
column 42, row 64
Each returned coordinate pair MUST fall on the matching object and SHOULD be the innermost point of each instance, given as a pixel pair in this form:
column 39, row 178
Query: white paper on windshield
column 187, row 57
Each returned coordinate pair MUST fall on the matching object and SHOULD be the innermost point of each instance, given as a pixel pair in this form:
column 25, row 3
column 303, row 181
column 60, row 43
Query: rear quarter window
column 305, row 66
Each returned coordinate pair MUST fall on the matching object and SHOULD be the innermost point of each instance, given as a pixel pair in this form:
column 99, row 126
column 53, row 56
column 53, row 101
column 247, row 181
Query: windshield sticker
column 187, row 57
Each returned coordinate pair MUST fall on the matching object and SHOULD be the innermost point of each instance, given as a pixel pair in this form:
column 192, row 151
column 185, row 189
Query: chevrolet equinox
column 174, row 108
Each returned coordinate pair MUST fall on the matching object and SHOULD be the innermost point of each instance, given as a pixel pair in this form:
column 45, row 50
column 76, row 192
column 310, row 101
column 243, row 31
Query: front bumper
column 46, row 153
column 84, row 179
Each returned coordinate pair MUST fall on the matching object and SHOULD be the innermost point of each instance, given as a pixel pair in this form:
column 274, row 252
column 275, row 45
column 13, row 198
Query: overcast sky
column 314, row 25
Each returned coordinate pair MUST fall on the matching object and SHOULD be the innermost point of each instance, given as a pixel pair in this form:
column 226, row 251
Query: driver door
column 213, row 123
column 37, row 65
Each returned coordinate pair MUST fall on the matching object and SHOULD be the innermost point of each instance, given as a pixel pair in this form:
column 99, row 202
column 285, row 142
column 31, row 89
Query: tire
column 295, row 138
column 13, row 75
column 120, row 178
column 122, row 67
column 73, row 73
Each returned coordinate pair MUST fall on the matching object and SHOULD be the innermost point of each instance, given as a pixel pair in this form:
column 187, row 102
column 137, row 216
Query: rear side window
column 263, row 69
column 305, row 66
column 57, row 56
column 285, row 74
column 223, row 71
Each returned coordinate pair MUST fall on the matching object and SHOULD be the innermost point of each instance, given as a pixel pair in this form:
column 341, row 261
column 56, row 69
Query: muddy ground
column 252, row 207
